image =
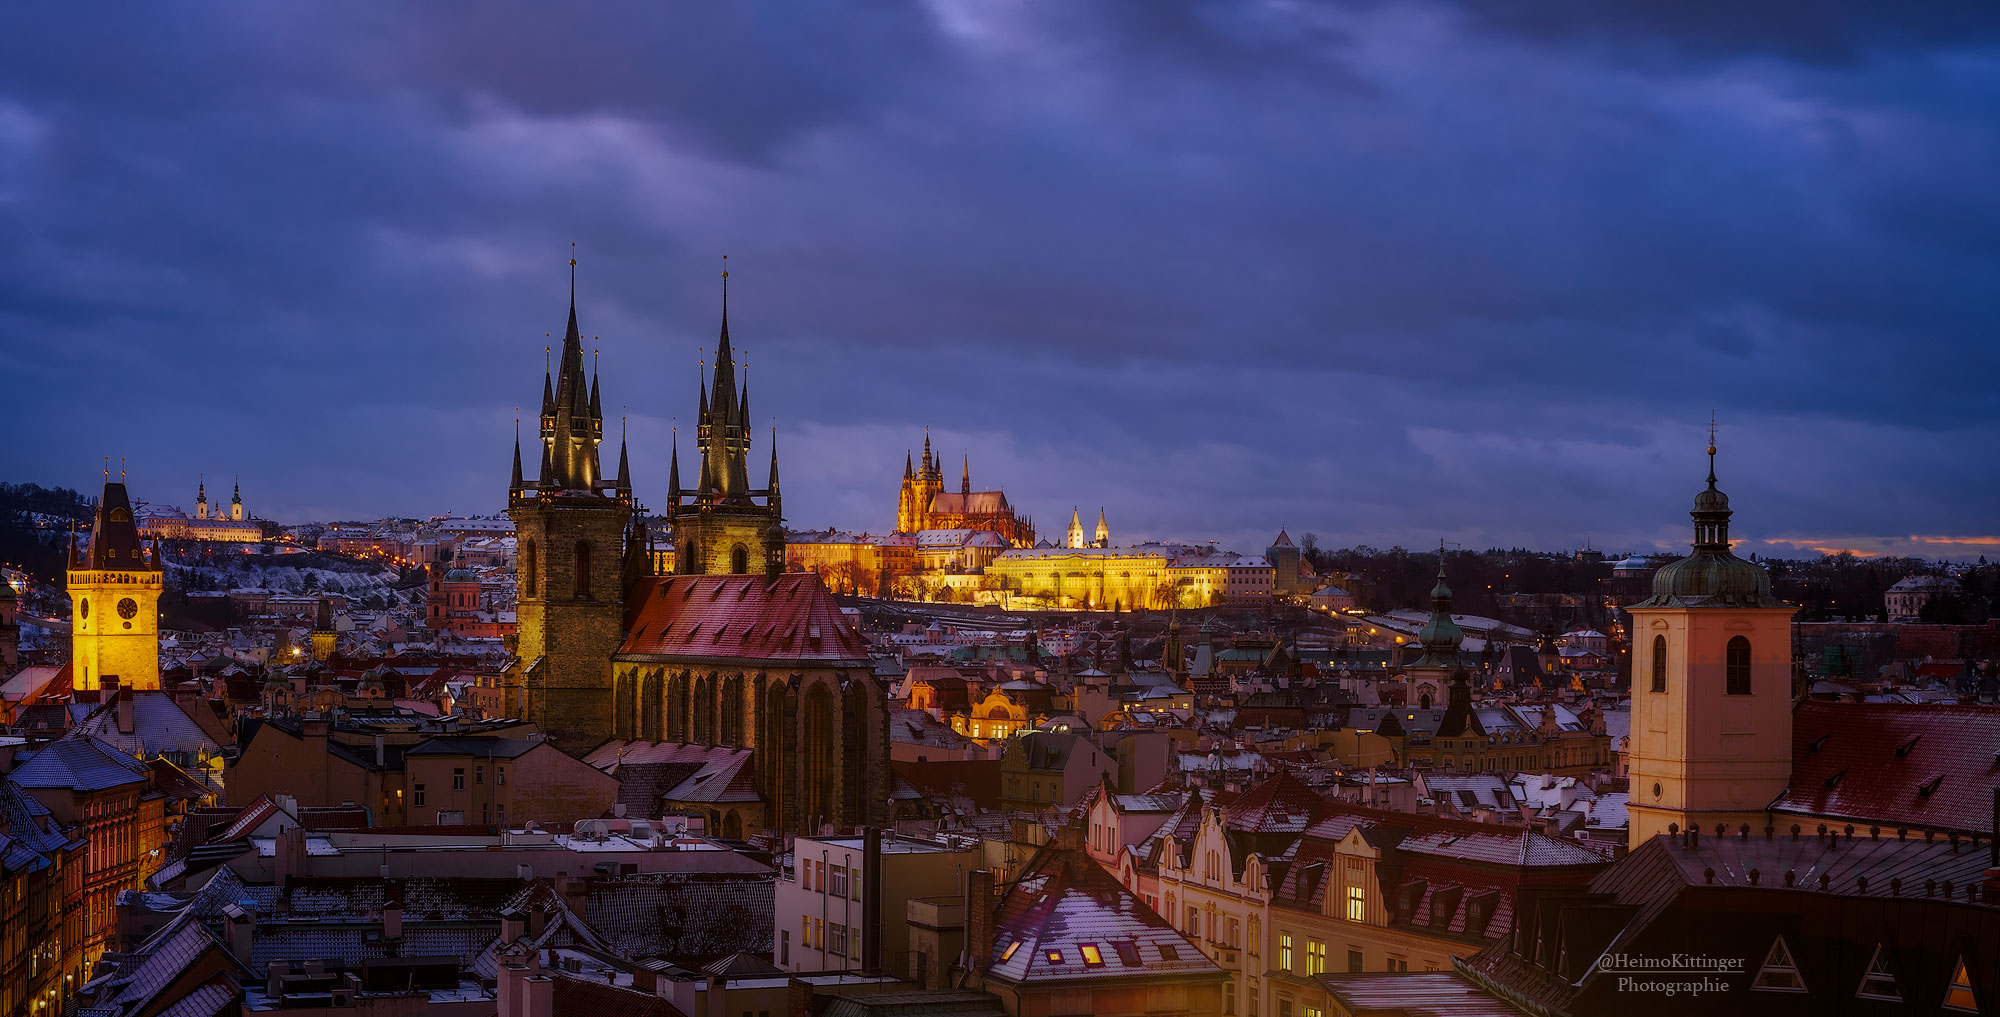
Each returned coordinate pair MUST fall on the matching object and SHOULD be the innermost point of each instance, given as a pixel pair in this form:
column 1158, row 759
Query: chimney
column 979, row 918
column 573, row 893
column 289, row 855
column 392, row 920
column 380, row 756
column 240, row 926
column 124, row 711
column 798, row 998
column 541, row 1001
column 512, row 928
column 871, row 900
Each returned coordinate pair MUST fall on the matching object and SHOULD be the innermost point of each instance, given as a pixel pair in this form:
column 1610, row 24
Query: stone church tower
column 569, row 525
column 728, row 527
column 1711, row 687
column 114, row 596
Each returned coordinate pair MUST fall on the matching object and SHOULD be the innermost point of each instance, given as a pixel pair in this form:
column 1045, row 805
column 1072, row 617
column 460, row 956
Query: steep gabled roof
column 791, row 618
column 1069, row 902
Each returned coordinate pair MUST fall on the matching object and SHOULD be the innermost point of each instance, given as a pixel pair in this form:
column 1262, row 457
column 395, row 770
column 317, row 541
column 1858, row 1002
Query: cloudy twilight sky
column 1387, row 272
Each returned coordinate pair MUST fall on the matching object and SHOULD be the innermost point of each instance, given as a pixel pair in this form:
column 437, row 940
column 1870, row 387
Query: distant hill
column 34, row 526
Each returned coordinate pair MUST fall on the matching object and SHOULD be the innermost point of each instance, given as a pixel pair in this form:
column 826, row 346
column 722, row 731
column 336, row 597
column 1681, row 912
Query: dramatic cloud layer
column 1393, row 273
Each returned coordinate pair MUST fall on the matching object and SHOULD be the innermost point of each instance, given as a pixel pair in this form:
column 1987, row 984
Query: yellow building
column 1711, row 739
column 1086, row 578
column 115, row 599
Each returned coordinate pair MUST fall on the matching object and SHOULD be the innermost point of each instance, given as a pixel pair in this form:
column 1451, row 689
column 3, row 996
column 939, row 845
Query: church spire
column 624, row 482
column 908, row 470
column 773, row 486
column 965, row 476
column 1711, row 508
column 674, row 474
column 1440, row 637
column 514, row 486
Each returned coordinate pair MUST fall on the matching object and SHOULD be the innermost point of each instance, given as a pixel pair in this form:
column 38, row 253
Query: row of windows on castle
column 1735, row 666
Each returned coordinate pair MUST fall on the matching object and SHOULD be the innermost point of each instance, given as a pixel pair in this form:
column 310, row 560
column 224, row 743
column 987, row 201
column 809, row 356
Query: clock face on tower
column 83, row 607
column 127, row 608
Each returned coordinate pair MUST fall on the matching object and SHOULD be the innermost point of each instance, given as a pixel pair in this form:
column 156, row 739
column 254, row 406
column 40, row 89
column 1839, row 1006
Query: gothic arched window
column 583, row 568
column 1736, row 667
column 528, row 569
column 1659, row 663
column 739, row 560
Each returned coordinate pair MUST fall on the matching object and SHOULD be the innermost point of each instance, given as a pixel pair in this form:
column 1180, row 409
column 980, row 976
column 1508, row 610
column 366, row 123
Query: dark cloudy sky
column 1388, row 272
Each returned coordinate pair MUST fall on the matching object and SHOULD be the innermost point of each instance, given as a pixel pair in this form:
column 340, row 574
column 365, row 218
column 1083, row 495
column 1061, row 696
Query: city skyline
column 1390, row 275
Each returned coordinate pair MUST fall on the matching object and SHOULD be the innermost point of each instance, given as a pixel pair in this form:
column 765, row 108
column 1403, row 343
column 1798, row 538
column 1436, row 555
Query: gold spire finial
column 121, row 469
column 1711, row 432
column 107, row 469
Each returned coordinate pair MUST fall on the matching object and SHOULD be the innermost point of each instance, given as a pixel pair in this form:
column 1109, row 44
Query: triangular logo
column 1958, row 996
column 1780, row 972
column 1879, row 982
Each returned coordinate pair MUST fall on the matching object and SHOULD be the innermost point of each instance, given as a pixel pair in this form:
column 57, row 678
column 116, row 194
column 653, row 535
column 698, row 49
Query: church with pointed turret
column 570, row 527
column 725, row 526
column 730, row 662
column 924, row 504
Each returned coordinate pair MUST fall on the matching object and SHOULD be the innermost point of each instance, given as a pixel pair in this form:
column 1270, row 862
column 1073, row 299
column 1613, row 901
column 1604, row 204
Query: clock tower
column 1711, row 687
column 114, row 593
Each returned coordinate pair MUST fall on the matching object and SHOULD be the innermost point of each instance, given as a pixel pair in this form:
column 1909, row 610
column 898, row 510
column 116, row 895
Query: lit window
column 1284, row 951
column 1055, row 956
column 1357, row 904
column 1008, row 954
column 1958, row 996
column 1091, row 958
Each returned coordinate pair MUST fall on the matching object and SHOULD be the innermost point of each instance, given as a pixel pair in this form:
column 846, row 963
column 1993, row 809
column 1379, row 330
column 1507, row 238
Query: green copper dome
column 1440, row 635
column 1712, row 576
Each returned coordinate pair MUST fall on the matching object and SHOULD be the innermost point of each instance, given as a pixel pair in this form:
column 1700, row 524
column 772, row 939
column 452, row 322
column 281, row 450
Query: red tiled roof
column 791, row 618
column 1895, row 764
column 579, row 997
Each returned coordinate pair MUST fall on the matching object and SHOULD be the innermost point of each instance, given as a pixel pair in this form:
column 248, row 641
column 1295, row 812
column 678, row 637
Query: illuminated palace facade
column 924, row 504
column 730, row 653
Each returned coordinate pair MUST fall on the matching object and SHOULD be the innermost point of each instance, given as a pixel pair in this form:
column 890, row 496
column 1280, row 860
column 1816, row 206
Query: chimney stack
column 125, row 711
column 871, row 900
column 392, row 920
column 979, row 907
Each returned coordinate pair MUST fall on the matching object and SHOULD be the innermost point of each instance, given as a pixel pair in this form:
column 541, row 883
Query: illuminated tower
column 236, row 502
column 1102, row 538
column 10, row 629
column 728, row 527
column 115, row 595
column 201, row 498
column 1075, row 537
column 569, row 525
column 322, row 630
column 1711, row 687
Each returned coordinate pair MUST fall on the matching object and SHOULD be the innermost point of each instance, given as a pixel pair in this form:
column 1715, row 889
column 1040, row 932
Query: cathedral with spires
column 730, row 658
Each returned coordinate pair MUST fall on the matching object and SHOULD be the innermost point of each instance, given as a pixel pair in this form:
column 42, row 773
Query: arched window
column 583, row 568
column 1659, row 663
column 739, row 560
column 528, row 569
column 1736, row 667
